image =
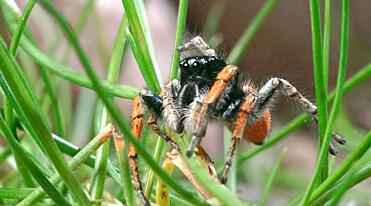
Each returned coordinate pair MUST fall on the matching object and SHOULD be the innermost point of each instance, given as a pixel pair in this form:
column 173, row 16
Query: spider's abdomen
column 258, row 131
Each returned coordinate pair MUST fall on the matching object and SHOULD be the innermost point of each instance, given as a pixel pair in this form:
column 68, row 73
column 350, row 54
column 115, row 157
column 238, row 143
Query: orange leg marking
column 221, row 80
column 237, row 133
column 137, row 118
column 200, row 111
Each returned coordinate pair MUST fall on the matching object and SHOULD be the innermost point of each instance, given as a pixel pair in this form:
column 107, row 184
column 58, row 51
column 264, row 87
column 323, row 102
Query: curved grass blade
column 122, row 123
column 180, row 25
column 77, row 160
column 336, row 105
column 26, row 160
column 273, row 174
column 144, row 57
column 99, row 177
column 26, row 107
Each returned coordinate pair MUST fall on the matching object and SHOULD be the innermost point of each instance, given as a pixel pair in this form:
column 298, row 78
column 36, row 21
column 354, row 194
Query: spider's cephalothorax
column 209, row 89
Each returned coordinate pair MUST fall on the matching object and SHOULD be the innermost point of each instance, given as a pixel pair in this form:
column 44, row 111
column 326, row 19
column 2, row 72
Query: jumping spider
column 209, row 89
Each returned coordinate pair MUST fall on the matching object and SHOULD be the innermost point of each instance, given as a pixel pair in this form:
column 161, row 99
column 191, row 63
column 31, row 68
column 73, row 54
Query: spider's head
column 200, row 69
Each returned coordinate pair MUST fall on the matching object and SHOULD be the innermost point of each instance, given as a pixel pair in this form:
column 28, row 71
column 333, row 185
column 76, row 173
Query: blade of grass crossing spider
column 337, row 101
column 180, row 25
column 352, row 82
column 220, row 192
column 103, row 118
column 81, row 157
column 147, row 66
column 122, row 123
column 244, row 41
column 273, row 174
column 30, row 111
column 32, row 168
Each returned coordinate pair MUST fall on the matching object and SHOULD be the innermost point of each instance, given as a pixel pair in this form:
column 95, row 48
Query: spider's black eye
column 195, row 64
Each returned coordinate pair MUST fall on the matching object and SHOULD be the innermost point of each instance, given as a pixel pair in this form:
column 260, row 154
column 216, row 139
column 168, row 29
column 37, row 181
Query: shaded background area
column 281, row 48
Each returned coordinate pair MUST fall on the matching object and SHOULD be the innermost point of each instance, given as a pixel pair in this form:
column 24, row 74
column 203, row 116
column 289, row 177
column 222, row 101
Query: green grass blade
column 112, row 76
column 21, row 25
column 214, row 16
column 122, row 123
column 326, row 44
column 180, row 25
column 32, row 168
column 77, row 160
column 357, row 154
column 14, row 193
column 336, row 105
column 241, row 45
column 220, row 192
column 144, row 56
column 29, row 109
column 319, row 80
column 362, row 173
column 273, row 174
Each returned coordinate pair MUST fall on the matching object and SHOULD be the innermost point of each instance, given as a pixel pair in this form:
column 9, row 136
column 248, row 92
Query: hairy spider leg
column 200, row 44
column 155, row 104
column 269, row 89
column 137, row 118
column 199, row 110
column 237, row 133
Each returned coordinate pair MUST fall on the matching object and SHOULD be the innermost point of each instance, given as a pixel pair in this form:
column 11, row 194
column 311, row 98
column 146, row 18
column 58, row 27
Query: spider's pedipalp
column 199, row 44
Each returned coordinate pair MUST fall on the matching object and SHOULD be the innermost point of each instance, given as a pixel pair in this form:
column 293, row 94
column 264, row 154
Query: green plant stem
column 326, row 44
column 122, row 123
column 28, row 110
column 21, row 25
column 76, row 161
column 220, row 192
column 337, row 102
column 357, row 154
column 271, row 178
column 182, row 16
column 362, row 173
column 150, row 178
column 147, row 67
column 241, row 45
column 112, row 76
column 319, row 80
column 32, row 168
column 14, row 193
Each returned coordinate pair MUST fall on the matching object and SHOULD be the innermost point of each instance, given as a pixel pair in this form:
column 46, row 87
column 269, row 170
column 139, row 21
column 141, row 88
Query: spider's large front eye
column 195, row 64
column 184, row 64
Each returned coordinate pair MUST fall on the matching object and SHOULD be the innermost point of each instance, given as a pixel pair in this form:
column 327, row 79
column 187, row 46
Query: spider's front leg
column 270, row 88
column 197, row 121
column 155, row 104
